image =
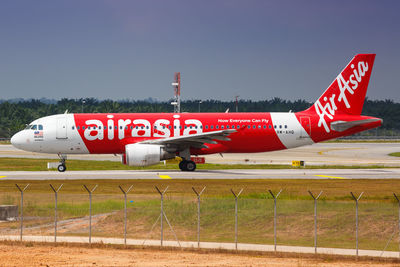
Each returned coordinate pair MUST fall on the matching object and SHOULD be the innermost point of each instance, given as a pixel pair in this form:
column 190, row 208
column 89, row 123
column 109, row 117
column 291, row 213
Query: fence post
column 315, row 218
column 236, row 214
column 275, row 198
column 125, row 208
column 356, row 199
column 90, row 210
column 21, row 218
column 398, row 201
column 55, row 210
column 198, row 214
column 162, row 211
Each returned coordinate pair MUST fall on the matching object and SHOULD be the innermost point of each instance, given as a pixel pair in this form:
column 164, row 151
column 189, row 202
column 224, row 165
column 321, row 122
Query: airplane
column 144, row 139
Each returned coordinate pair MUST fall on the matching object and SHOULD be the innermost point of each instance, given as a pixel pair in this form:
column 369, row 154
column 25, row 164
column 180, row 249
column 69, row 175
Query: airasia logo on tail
column 328, row 107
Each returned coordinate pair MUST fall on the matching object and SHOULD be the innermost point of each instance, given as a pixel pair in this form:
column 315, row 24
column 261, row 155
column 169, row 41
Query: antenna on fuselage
column 66, row 111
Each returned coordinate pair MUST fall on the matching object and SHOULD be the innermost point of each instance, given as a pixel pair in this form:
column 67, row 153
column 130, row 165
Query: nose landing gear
column 61, row 167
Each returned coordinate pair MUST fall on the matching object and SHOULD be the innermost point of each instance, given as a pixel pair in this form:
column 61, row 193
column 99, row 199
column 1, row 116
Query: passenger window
column 254, row 126
column 40, row 127
column 126, row 127
column 238, row 126
column 280, row 126
column 212, row 127
column 206, row 126
column 275, row 126
column 265, row 126
column 227, row 126
column 83, row 127
column 115, row 127
column 131, row 127
column 73, row 127
column 222, row 126
column 216, row 127
column 269, row 126
column 259, row 126
column 248, row 126
column 285, row 126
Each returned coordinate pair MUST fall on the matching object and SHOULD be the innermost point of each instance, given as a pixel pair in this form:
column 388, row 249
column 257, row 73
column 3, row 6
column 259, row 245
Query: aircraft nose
column 17, row 140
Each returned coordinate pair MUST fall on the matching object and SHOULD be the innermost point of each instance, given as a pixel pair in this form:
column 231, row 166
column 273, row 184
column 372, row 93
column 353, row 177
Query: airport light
column 199, row 104
column 83, row 102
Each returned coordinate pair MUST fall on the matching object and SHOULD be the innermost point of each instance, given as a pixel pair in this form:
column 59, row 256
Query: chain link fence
column 208, row 218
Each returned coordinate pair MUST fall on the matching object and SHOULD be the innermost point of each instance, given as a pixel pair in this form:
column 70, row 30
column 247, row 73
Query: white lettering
column 93, row 133
column 160, row 127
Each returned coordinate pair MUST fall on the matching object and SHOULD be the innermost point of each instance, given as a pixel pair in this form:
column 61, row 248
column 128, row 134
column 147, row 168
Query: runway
column 317, row 154
column 387, row 173
column 357, row 154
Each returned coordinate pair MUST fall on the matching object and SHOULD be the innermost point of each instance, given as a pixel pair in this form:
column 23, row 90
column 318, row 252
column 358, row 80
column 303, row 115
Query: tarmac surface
column 317, row 154
column 386, row 173
column 350, row 154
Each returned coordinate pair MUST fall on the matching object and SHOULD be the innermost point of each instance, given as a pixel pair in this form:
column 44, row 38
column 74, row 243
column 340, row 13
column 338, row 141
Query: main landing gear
column 61, row 167
column 187, row 165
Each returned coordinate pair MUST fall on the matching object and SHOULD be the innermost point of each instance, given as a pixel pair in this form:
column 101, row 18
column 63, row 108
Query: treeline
column 14, row 115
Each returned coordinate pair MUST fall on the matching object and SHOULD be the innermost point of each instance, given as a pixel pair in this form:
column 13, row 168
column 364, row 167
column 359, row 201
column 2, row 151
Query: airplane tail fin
column 346, row 94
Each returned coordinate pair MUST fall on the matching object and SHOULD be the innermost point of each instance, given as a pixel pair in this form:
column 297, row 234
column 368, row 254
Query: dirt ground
column 29, row 254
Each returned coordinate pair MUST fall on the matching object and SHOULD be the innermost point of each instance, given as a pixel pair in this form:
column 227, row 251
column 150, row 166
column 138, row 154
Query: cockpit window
column 34, row 127
column 40, row 127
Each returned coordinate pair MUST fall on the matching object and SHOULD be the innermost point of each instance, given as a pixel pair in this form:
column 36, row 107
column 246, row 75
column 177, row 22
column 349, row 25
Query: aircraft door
column 306, row 127
column 61, row 130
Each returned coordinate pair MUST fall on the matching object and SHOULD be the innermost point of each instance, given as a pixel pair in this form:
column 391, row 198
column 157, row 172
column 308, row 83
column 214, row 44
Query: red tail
column 347, row 92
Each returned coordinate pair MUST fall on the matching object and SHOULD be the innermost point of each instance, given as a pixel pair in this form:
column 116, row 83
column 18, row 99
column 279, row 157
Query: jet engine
column 141, row 155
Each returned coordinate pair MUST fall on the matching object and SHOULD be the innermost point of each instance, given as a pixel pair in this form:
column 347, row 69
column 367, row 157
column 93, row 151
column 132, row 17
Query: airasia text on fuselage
column 119, row 128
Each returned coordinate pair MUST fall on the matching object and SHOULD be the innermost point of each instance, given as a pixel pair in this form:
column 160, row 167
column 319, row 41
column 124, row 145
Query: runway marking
column 327, row 176
column 164, row 176
column 2, row 176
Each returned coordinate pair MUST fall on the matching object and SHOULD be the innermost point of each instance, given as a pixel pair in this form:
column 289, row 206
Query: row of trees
column 14, row 115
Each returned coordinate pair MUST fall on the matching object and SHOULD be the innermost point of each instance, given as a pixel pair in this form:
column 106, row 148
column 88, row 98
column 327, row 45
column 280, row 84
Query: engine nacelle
column 141, row 155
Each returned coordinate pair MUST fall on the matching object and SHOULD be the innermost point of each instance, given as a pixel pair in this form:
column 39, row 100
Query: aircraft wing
column 341, row 126
column 194, row 140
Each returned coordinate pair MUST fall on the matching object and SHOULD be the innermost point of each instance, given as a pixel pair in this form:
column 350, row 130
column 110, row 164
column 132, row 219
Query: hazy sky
column 255, row 49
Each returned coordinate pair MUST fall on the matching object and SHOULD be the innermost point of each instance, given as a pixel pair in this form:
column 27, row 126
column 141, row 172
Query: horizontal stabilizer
column 341, row 126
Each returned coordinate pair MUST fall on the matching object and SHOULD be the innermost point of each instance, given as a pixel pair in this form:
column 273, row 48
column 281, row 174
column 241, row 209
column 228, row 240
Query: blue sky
column 255, row 49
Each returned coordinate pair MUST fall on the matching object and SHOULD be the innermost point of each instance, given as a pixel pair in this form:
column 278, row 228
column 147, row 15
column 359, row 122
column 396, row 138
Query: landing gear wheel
column 182, row 165
column 61, row 168
column 190, row 166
